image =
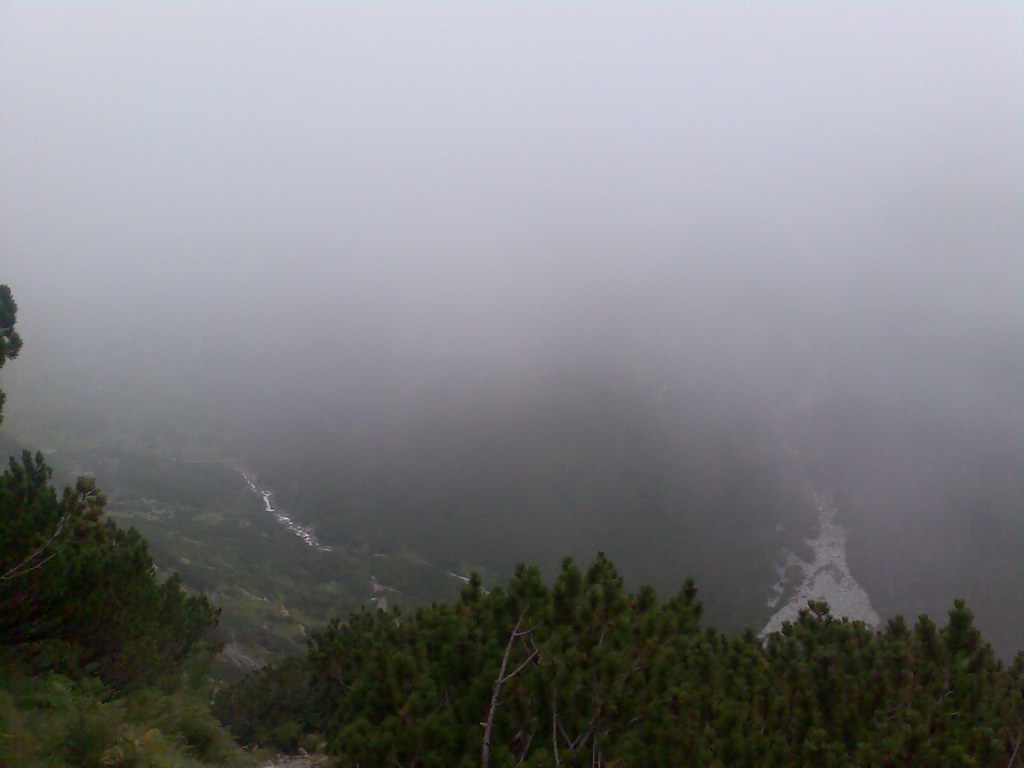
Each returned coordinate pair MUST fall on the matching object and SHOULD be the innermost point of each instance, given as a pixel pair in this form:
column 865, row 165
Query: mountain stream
column 304, row 533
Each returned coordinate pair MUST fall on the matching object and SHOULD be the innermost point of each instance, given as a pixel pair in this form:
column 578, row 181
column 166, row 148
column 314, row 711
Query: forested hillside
column 101, row 661
column 584, row 673
column 611, row 384
column 104, row 662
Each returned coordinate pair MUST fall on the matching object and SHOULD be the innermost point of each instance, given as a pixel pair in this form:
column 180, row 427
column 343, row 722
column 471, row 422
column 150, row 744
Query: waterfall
column 303, row 532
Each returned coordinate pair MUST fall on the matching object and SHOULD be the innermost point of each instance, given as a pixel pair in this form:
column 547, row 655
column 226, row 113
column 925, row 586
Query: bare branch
column 1016, row 741
column 26, row 566
column 554, row 733
column 526, row 749
column 485, row 749
column 518, row 669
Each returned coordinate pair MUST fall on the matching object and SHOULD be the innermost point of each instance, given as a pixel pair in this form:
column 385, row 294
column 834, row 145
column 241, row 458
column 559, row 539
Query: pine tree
column 585, row 673
column 10, row 341
column 78, row 594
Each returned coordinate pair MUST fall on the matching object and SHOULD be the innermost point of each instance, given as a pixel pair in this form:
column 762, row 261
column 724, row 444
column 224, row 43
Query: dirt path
column 286, row 761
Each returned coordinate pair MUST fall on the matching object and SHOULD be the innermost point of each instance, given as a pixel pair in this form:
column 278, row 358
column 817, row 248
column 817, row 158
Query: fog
column 271, row 217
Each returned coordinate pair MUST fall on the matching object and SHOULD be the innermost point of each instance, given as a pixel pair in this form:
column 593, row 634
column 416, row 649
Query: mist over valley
column 466, row 286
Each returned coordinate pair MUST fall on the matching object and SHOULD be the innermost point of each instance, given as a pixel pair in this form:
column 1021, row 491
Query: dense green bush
column 271, row 707
column 55, row 721
column 80, row 595
column 582, row 673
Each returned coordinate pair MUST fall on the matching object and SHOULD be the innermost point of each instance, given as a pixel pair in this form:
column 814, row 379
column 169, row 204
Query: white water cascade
column 304, row 533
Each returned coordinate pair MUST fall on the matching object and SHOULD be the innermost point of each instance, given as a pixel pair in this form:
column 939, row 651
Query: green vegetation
column 106, row 661
column 203, row 521
column 583, row 673
column 81, row 596
column 101, row 661
column 10, row 341
column 52, row 720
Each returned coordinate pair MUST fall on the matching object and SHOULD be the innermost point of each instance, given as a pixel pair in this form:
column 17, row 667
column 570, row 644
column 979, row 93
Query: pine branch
column 554, row 733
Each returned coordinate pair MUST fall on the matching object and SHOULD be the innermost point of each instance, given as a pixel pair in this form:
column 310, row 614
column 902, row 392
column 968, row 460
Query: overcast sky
column 300, row 182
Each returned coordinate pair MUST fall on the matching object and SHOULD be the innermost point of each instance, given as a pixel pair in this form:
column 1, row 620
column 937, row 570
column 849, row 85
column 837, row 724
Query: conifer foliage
column 585, row 673
column 101, row 661
column 78, row 595
column 10, row 341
